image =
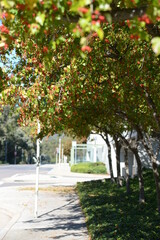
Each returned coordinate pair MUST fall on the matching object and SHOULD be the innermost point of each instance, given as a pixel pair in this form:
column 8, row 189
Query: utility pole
column 37, row 172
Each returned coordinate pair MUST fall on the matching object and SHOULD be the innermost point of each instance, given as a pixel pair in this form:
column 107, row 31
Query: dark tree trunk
column 150, row 152
column 118, row 150
column 152, row 107
column 140, row 176
column 109, row 156
column 149, row 148
column 127, row 170
column 157, row 180
column 139, row 165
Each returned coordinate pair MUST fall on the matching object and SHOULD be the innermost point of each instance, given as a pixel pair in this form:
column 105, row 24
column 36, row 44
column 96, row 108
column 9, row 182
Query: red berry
column 86, row 48
column 83, row 10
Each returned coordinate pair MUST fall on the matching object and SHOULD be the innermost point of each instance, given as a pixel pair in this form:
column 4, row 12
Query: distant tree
column 16, row 145
column 48, row 148
column 50, row 145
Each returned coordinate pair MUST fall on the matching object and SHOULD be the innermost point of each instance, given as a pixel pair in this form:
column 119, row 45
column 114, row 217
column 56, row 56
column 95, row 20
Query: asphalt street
column 9, row 171
column 49, row 174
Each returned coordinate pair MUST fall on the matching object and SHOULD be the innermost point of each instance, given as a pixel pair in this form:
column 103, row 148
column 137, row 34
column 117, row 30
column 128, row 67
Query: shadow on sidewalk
column 65, row 221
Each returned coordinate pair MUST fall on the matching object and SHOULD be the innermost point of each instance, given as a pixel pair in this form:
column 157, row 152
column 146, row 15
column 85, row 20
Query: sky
column 11, row 57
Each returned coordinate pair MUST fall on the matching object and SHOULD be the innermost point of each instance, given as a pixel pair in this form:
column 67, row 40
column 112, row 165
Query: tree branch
column 120, row 15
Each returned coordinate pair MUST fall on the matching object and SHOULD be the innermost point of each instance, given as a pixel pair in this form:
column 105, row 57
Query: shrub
column 88, row 167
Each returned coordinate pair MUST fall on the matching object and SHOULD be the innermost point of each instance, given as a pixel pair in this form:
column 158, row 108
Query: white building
column 96, row 150
column 97, row 139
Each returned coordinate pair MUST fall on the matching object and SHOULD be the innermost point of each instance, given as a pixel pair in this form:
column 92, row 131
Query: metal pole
column 22, row 155
column 6, row 152
column 60, row 150
column 56, row 158
column 62, row 154
column 37, row 172
column 15, row 154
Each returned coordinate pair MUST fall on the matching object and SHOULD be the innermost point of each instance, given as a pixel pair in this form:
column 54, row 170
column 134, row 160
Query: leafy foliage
column 48, row 149
column 75, row 58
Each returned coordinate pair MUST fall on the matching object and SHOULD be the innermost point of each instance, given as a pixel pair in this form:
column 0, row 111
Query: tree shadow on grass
column 112, row 214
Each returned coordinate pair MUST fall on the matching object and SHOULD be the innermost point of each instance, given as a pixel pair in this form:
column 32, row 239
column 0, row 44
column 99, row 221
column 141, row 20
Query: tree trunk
column 140, row 176
column 152, row 107
column 109, row 156
column 118, row 150
column 157, row 180
column 150, row 152
column 127, row 170
column 155, row 173
column 139, row 165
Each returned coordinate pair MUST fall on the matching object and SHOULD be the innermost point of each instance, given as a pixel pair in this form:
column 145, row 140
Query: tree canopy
column 83, row 64
column 79, row 63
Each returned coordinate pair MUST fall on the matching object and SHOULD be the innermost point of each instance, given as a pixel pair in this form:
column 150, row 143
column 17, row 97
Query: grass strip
column 112, row 214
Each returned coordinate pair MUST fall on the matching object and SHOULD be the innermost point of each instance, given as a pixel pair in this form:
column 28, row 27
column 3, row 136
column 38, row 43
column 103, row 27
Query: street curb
column 7, row 228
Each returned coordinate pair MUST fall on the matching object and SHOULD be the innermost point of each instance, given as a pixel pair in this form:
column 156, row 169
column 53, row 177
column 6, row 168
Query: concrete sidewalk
column 59, row 215
column 59, row 212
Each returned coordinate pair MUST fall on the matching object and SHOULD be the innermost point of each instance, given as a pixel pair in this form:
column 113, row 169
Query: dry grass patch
column 58, row 189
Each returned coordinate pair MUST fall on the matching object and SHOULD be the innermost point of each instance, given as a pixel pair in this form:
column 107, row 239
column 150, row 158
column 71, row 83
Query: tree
column 83, row 17
column 14, row 138
column 132, row 144
column 86, row 69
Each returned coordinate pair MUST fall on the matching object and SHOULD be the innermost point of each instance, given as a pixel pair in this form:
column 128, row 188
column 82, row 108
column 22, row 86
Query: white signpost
column 59, row 150
column 37, row 173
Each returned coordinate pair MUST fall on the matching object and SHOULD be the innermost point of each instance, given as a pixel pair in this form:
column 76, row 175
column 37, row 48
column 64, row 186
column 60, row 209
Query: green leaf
column 62, row 39
column 40, row 18
column 83, row 22
column 83, row 41
column 109, row 17
column 83, row 55
column 3, row 94
column 34, row 28
column 8, row 4
column 77, row 4
column 100, row 33
column 104, row 7
column 54, row 45
column 2, row 44
column 156, row 45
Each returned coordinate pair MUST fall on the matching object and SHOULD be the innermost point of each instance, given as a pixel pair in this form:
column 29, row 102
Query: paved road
column 59, row 213
column 9, row 171
column 50, row 174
